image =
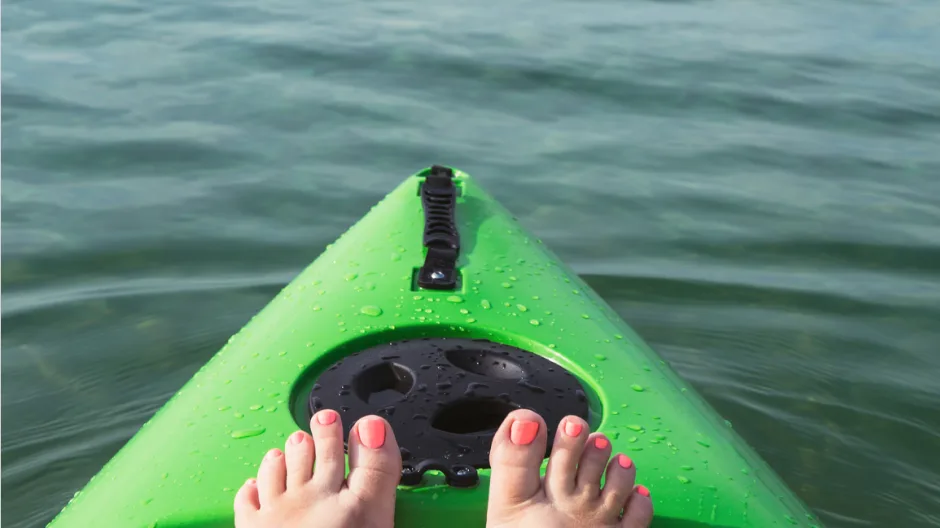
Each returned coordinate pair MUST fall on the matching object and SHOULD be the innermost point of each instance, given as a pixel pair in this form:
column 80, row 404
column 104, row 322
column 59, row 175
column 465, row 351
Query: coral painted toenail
column 572, row 428
column 523, row 432
column 326, row 417
column 643, row 491
column 624, row 461
column 372, row 433
column 296, row 438
column 601, row 443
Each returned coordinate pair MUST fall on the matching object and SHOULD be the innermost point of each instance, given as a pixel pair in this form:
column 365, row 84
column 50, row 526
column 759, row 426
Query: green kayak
column 439, row 311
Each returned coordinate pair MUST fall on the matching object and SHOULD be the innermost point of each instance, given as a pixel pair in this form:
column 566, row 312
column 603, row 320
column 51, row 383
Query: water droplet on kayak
column 534, row 322
column 618, row 336
column 464, row 311
column 576, row 292
column 486, row 304
column 522, row 308
column 270, row 409
column 455, row 299
column 506, row 285
column 371, row 310
column 513, row 279
column 600, row 357
column 684, row 480
column 248, row 433
column 225, row 408
column 351, row 276
column 535, row 297
column 632, row 439
column 586, row 316
column 635, row 427
column 703, row 443
column 686, row 468
column 256, row 407
column 238, row 415
column 471, row 320
column 638, row 388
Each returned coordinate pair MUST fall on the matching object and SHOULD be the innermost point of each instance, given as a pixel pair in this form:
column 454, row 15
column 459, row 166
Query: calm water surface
column 754, row 186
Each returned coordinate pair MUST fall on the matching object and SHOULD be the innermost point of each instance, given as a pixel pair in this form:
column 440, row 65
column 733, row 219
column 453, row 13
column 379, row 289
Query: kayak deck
column 185, row 464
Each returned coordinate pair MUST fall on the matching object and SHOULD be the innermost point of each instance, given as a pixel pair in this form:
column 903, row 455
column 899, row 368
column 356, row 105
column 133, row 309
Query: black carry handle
column 439, row 198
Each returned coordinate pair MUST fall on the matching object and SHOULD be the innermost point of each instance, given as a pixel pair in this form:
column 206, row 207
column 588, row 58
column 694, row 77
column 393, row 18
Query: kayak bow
column 436, row 287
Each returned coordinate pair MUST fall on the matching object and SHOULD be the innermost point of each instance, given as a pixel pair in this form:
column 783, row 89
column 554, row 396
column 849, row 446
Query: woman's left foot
column 289, row 492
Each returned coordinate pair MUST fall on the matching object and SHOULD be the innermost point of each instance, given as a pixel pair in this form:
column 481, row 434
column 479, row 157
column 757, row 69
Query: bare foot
column 289, row 492
column 571, row 494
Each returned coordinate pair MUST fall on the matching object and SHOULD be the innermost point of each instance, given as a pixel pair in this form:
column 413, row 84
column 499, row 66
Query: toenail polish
column 296, row 438
column 573, row 428
column 601, row 443
column 624, row 461
column 326, row 417
column 642, row 490
column 523, row 432
column 372, row 433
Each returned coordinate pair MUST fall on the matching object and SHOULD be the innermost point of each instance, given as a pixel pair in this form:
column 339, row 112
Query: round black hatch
column 445, row 398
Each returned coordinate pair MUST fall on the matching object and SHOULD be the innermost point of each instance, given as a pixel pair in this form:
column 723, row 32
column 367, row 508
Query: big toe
column 374, row 461
column 638, row 513
column 516, row 459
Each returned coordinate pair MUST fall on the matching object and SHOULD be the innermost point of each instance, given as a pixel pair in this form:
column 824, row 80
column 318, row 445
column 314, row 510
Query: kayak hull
column 184, row 465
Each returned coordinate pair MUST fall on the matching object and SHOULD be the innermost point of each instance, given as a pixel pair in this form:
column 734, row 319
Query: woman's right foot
column 570, row 495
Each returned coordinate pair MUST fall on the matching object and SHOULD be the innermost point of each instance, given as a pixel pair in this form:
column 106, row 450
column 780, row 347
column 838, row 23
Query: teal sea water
column 754, row 186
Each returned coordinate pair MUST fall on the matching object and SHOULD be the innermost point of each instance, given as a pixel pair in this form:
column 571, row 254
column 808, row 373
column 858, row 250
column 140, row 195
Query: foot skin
column 289, row 492
column 570, row 495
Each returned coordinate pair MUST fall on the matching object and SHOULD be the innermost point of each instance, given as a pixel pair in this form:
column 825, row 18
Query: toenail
column 642, row 490
column 326, row 417
column 251, row 482
column 372, row 433
column 296, row 438
column 624, row 461
column 601, row 443
column 274, row 453
column 523, row 432
column 573, row 428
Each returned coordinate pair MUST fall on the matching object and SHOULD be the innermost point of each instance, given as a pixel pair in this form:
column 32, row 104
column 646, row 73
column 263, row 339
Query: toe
column 592, row 464
column 374, row 460
column 299, row 458
column 247, row 503
column 638, row 512
column 271, row 476
column 516, row 458
column 327, row 429
column 618, row 486
column 566, row 451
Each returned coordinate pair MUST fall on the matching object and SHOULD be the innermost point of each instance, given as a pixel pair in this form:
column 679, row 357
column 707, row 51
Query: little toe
column 516, row 458
column 638, row 513
column 330, row 471
column 591, row 466
column 247, row 503
column 272, row 477
column 621, row 474
column 299, row 456
column 374, row 460
column 566, row 451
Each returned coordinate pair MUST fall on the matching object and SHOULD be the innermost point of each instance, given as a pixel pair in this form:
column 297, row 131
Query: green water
column 754, row 186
